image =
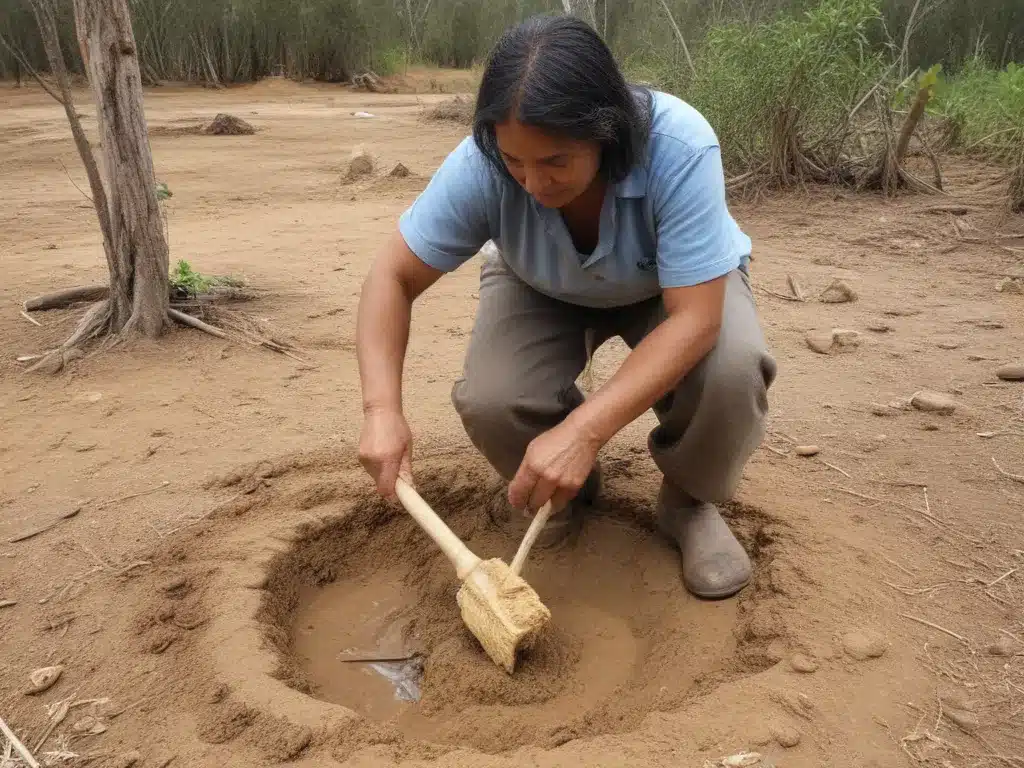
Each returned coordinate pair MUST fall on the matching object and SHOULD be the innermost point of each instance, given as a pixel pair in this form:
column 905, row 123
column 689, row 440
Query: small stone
column 819, row 341
column 742, row 760
column 43, row 679
column 360, row 164
column 399, row 171
column 786, row 735
column 90, row 725
column 845, row 339
column 949, row 345
column 1004, row 646
column 933, row 402
column 1011, row 372
column 885, row 411
column 177, row 584
column 166, row 612
column 8, row 603
column 807, row 450
column 802, row 663
column 1010, row 285
column 128, row 759
column 864, row 644
column 838, row 293
column 880, row 328
column 963, row 719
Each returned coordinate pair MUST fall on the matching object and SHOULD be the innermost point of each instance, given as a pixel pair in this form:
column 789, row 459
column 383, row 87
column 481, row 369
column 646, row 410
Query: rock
column 880, row 328
column 864, row 644
column 819, row 341
column 399, row 172
column 845, row 339
column 949, row 345
column 786, row 735
column 963, row 719
column 877, row 409
column 1011, row 372
column 807, row 450
column 1010, row 285
column 179, row 584
column 90, row 725
column 360, row 164
column 933, row 402
column 742, row 760
column 838, row 293
column 802, row 663
column 1004, row 646
column 43, row 679
column 229, row 125
column 128, row 759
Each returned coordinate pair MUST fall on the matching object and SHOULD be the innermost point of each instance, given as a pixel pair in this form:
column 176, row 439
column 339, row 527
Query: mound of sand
column 457, row 110
column 229, row 125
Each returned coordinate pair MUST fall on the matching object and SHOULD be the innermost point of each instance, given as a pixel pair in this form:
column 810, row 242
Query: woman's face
column 555, row 170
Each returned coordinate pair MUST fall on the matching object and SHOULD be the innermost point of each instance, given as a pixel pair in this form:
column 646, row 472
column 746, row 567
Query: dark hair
column 556, row 73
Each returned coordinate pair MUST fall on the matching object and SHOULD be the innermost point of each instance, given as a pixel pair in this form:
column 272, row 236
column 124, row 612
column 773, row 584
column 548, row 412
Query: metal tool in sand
column 501, row 610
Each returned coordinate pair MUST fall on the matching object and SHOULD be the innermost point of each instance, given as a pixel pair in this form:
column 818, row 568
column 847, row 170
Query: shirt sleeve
column 451, row 219
column 696, row 235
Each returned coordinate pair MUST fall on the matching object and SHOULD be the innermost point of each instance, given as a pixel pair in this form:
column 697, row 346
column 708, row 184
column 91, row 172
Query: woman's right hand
column 385, row 448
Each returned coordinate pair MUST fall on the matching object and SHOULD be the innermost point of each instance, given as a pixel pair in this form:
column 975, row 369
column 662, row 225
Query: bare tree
column 125, row 197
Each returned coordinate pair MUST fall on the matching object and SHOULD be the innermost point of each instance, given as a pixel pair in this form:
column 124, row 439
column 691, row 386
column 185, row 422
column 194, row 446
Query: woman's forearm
column 382, row 334
column 657, row 364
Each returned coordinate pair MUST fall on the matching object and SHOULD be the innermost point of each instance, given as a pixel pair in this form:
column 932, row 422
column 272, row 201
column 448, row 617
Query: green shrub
column 985, row 106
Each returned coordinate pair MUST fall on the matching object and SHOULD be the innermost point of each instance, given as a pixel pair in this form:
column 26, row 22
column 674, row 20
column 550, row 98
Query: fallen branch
column 195, row 322
column 119, row 499
column 795, row 287
column 927, row 623
column 33, row 532
column 31, row 319
column 782, row 296
column 65, row 298
column 1004, row 473
column 20, row 748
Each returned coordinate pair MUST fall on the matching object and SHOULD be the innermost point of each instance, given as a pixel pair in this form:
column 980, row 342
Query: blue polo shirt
column 665, row 225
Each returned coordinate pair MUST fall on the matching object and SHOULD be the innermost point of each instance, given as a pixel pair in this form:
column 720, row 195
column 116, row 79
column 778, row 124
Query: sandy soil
column 228, row 551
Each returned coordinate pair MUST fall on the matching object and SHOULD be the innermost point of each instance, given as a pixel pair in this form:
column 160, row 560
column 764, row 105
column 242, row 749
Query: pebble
column 845, row 338
column 838, row 293
column 880, row 328
column 803, row 663
column 1004, row 646
column 878, row 409
column 819, row 341
column 949, row 345
column 864, row 644
column 1011, row 372
column 786, row 735
column 1009, row 285
column 933, row 402
column 43, row 679
column 807, row 450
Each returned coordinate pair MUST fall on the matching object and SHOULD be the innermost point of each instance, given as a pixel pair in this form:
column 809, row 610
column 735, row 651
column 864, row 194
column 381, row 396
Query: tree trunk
column 139, row 287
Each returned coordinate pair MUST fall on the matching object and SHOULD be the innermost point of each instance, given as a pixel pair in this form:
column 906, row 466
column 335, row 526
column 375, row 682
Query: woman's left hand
column 554, row 468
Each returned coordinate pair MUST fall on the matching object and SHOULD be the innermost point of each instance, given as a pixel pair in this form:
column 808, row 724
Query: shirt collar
column 635, row 183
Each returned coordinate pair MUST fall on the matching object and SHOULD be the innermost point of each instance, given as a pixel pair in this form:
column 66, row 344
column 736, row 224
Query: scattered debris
column 953, row 210
column 838, row 292
column 90, row 725
column 741, row 760
column 796, row 288
column 1011, row 372
column 43, row 679
column 1010, row 285
column 369, row 81
column 933, row 402
column 17, row 746
column 838, row 339
column 363, row 115
column 229, row 125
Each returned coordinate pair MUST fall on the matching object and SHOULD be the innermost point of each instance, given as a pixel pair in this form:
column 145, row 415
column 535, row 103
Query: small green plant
column 186, row 280
column 163, row 192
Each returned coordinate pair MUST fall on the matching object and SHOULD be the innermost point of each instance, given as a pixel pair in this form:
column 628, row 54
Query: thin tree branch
column 679, row 35
column 20, row 57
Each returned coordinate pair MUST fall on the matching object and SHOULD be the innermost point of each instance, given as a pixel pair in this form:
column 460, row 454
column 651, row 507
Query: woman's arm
column 558, row 461
column 396, row 279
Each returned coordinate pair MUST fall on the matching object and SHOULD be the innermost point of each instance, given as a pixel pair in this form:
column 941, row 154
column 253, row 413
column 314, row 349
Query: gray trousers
column 527, row 350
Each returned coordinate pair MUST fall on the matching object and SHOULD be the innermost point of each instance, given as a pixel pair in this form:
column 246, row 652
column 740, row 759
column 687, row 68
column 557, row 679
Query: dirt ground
column 228, row 553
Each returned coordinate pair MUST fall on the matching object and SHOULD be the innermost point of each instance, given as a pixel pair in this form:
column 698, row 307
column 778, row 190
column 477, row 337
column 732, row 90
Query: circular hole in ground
column 625, row 638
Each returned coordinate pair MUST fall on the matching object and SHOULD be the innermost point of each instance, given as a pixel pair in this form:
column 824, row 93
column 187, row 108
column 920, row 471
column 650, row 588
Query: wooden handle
column 457, row 552
column 539, row 521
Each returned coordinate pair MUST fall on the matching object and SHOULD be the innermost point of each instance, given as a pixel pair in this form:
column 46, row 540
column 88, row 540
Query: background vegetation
column 788, row 84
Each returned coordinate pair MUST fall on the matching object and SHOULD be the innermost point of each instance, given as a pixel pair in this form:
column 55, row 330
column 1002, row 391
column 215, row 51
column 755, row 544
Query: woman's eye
column 558, row 162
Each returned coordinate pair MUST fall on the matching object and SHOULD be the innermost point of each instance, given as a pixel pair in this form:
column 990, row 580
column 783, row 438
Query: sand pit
column 625, row 639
